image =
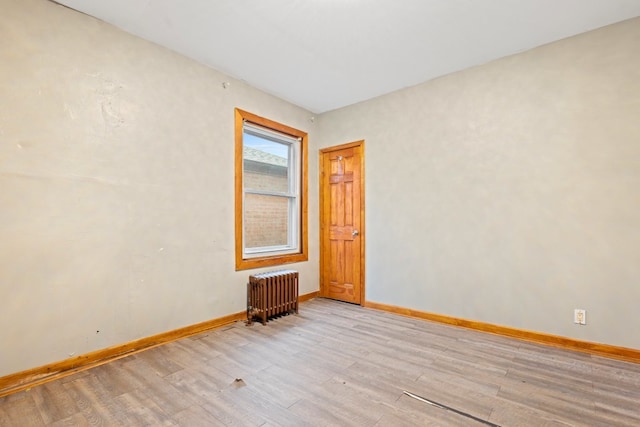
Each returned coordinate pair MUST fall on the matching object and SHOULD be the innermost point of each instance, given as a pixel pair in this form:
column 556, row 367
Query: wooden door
column 342, row 223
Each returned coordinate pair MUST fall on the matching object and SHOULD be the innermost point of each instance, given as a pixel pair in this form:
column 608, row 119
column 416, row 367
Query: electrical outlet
column 580, row 316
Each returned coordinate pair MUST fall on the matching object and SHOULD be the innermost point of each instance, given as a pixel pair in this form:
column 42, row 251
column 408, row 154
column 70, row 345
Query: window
column 271, row 192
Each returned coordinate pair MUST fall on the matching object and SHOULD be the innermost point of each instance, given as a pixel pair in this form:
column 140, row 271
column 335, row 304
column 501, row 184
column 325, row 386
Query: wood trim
column 342, row 146
column 19, row 381
column 267, row 123
column 238, row 185
column 321, row 210
column 363, row 232
column 597, row 349
column 266, row 261
column 363, row 228
column 307, row 297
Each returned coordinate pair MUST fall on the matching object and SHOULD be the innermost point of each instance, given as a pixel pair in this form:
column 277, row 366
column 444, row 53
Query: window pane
column 266, row 164
column 266, row 220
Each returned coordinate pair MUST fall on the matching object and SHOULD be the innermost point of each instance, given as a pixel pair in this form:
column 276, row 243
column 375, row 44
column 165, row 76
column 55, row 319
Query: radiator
column 272, row 294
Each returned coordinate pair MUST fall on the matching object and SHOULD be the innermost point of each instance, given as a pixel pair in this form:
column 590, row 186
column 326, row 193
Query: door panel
column 342, row 220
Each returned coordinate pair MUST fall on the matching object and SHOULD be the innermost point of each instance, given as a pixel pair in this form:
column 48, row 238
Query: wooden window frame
column 242, row 262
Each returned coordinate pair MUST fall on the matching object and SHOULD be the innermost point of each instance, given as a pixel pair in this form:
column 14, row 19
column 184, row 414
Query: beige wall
column 510, row 193
column 116, row 187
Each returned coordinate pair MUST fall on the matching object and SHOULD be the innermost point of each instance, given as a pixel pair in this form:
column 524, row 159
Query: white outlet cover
column 580, row 316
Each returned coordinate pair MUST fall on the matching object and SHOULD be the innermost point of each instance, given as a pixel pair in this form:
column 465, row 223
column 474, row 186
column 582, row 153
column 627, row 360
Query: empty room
column 319, row 213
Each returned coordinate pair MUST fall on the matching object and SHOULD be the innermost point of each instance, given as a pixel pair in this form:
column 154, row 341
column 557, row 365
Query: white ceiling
column 326, row 54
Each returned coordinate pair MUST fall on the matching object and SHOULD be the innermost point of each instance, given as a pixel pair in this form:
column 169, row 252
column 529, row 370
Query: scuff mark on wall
column 70, row 111
column 110, row 114
column 109, row 95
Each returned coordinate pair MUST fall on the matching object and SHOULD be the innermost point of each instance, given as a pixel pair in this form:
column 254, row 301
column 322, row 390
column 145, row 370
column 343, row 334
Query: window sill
column 249, row 263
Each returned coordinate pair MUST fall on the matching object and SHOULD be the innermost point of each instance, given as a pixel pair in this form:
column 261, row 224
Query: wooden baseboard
column 307, row 297
column 604, row 350
column 19, row 381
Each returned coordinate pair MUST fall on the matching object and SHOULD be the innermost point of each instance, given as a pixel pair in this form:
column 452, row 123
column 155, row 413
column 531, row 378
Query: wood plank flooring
column 337, row 364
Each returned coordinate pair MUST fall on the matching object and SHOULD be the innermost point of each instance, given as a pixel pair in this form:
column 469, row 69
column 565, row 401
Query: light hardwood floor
column 343, row 365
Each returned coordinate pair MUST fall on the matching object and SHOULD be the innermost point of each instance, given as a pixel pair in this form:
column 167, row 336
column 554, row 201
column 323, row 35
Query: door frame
column 363, row 233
